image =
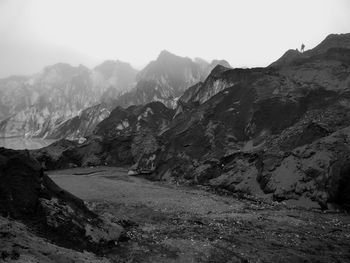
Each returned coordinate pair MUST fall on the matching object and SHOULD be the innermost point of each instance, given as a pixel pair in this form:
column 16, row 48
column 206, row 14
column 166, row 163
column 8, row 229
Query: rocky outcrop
column 68, row 102
column 20, row 244
column 121, row 139
column 317, row 171
column 29, row 195
column 82, row 125
column 280, row 133
column 35, row 106
column 241, row 128
column 166, row 78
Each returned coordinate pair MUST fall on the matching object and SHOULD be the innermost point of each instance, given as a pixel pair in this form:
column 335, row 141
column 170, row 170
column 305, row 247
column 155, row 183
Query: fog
column 35, row 33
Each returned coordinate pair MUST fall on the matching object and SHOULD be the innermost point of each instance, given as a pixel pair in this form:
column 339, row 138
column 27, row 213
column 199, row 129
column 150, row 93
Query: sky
column 247, row 33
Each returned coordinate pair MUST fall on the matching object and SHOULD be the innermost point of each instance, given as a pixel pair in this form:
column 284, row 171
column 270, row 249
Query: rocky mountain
column 278, row 133
column 115, row 78
column 166, row 78
column 68, row 102
column 36, row 105
column 121, row 139
column 83, row 124
column 331, row 41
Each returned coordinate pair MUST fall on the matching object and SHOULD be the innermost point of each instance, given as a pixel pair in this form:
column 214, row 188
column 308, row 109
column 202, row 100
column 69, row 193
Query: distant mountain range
column 66, row 101
column 280, row 133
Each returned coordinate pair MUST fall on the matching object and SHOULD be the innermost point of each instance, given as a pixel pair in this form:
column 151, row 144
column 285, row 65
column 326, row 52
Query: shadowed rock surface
column 35, row 106
column 168, row 222
column 27, row 194
column 68, row 102
column 166, row 78
column 242, row 130
column 121, row 139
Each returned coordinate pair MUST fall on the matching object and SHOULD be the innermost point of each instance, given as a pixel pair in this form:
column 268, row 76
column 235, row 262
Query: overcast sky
column 247, row 33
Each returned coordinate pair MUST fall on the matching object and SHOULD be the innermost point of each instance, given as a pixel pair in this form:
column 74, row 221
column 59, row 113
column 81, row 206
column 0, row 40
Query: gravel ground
column 172, row 223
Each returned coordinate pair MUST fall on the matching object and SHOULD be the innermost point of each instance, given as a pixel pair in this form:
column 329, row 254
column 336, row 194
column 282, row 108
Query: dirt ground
column 170, row 223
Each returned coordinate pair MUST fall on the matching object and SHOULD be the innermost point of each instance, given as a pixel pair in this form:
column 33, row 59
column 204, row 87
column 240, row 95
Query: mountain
column 115, row 77
column 83, row 124
column 166, row 78
column 279, row 133
column 121, row 139
column 338, row 41
column 34, row 106
column 68, row 102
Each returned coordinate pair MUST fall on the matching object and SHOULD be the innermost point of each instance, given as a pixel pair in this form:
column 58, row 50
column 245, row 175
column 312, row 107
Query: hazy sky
column 35, row 33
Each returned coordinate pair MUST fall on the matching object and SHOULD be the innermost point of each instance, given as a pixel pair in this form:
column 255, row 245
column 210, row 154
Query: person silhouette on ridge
column 302, row 48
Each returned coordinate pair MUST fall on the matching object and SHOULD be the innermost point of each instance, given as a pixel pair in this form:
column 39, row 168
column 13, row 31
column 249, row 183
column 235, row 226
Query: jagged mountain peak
column 167, row 54
column 61, row 67
column 242, row 130
column 60, row 72
column 112, row 63
column 166, row 78
column 164, row 62
column 109, row 67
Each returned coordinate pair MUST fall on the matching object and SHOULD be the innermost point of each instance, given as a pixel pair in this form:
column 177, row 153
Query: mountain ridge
column 275, row 133
column 107, row 85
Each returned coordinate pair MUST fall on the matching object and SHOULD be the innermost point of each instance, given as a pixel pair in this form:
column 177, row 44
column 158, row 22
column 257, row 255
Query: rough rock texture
column 19, row 244
column 241, row 129
column 121, row 139
column 34, row 106
column 166, row 78
column 279, row 132
column 68, row 102
column 82, row 125
column 29, row 195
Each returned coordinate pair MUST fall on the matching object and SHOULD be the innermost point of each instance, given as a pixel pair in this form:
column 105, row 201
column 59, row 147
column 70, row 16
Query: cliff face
column 280, row 132
column 166, row 78
column 68, row 102
column 121, row 139
column 35, row 106
column 81, row 125
column 27, row 194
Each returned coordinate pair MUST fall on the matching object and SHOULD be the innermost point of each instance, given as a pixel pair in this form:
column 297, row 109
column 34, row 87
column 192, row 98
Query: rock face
column 121, row 139
column 166, row 78
column 68, row 102
column 35, row 106
column 29, row 195
column 280, row 132
column 83, row 124
column 20, row 244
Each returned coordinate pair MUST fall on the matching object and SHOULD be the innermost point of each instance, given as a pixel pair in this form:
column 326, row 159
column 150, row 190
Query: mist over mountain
column 174, row 131
column 64, row 101
column 35, row 105
column 277, row 132
column 268, row 140
column 166, row 78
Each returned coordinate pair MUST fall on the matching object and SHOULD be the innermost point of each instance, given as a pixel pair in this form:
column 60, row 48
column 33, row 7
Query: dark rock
column 29, row 195
column 275, row 132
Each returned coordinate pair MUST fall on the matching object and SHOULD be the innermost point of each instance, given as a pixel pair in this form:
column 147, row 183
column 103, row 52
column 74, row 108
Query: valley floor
column 170, row 223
